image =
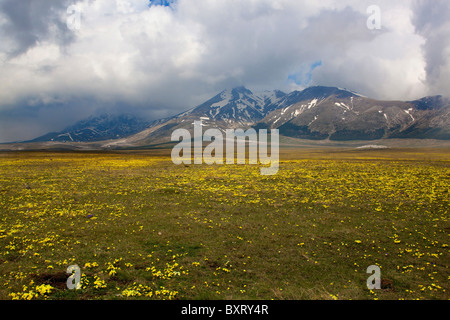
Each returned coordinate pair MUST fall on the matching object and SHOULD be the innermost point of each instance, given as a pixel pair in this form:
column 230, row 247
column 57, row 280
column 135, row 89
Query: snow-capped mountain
column 238, row 106
column 97, row 128
column 234, row 108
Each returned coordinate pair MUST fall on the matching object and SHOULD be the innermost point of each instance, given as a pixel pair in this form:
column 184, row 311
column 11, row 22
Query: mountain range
column 316, row 113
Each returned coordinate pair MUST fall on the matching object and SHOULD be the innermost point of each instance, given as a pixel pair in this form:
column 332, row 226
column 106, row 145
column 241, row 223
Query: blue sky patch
column 165, row 3
column 304, row 76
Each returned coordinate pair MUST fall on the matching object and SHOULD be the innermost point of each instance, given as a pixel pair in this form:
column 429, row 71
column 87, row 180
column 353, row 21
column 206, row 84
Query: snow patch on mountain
column 313, row 103
column 408, row 112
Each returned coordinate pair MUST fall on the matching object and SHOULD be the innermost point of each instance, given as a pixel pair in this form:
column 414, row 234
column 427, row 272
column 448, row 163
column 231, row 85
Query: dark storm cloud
column 30, row 21
column 432, row 21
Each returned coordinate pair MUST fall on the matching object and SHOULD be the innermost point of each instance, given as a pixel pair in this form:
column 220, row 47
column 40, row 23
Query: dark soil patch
column 56, row 280
column 387, row 285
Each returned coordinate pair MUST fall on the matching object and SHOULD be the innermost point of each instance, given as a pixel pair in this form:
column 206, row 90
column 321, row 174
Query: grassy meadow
column 140, row 227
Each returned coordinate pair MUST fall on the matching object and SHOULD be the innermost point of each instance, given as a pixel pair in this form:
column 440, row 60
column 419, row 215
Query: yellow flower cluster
column 168, row 272
column 40, row 291
column 99, row 283
column 140, row 290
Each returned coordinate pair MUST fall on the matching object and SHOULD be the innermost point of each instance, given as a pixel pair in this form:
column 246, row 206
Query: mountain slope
column 331, row 113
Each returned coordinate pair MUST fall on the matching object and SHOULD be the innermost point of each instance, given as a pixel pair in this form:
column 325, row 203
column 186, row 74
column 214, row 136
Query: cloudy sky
column 63, row 60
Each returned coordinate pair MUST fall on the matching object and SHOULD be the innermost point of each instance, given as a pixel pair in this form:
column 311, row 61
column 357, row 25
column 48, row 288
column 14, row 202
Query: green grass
column 158, row 231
